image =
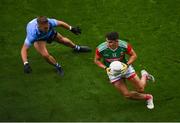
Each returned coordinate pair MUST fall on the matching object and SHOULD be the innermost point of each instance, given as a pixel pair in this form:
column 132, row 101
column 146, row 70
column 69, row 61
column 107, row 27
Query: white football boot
column 149, row 76
column 150, row 104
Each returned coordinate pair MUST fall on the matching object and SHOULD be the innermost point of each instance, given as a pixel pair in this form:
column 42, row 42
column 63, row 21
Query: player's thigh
column 122, row 87
column 40, row 46
column 136, row 81
column 59, row 38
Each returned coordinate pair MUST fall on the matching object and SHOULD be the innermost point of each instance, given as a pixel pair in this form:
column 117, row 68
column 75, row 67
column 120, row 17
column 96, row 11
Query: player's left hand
column 76, row 30
column 108, row 70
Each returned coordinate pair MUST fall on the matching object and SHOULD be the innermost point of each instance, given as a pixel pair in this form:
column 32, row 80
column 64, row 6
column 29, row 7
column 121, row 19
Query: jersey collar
column 113, row 49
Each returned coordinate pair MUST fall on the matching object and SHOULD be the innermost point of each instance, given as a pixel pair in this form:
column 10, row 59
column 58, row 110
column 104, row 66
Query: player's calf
column 140, row 90
column 82, row 48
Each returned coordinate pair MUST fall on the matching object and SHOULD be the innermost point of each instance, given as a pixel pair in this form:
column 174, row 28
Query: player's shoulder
column 32, row 24
column 102, row 46
column 32, row 28
column 52, row 21
column 122, row 43
column 33, row 21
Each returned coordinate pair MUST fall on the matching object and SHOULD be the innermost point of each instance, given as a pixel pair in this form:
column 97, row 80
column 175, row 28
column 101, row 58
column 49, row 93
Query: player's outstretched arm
column 132, row 57
column 63, row 24
column 24, row 54
column 75, row 30
column 99, row 63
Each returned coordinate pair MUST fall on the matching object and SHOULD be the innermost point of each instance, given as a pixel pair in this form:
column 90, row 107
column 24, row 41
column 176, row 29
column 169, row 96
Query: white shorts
column 130, row 73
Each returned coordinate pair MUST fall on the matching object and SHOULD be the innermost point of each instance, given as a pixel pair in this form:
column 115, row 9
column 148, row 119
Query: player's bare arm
column 132, row 57
column 75, row 30
column 24, row 53
column 63, row 24
column 98, row 62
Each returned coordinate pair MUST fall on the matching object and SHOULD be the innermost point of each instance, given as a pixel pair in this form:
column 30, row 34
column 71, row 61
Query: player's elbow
column 95, row 61
column 135, row 56
column 127, row 95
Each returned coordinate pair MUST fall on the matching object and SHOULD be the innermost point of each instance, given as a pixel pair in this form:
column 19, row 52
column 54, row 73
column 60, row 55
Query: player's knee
column 127, row 95
column 140, row 90
column 45, row 55
column 63, row 39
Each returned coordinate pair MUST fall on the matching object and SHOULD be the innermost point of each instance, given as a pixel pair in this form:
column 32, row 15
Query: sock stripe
column 57, row 65
column 77, row 47
column 148, row 96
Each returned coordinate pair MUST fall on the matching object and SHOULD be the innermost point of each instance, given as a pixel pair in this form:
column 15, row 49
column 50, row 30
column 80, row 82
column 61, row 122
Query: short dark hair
column 42, row 20
column 112, row 36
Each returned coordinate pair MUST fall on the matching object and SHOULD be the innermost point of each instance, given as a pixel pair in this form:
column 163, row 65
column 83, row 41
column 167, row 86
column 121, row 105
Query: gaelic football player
column 41, row 31
column 114, row 49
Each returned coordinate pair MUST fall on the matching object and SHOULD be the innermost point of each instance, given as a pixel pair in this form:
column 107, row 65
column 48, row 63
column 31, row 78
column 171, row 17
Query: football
column 116, row 67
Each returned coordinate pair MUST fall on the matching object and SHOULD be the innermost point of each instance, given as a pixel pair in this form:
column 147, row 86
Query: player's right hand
column 27, row 68
column 76, row 30
column 108, row 70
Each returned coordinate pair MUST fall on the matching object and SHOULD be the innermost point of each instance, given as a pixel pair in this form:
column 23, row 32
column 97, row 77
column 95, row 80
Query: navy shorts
column 51, row 38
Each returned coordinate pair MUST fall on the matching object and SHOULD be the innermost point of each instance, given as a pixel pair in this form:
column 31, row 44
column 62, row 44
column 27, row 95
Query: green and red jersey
column 109, row 55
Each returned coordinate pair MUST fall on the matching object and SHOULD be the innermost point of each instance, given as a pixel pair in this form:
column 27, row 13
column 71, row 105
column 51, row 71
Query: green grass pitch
column 84, row 93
